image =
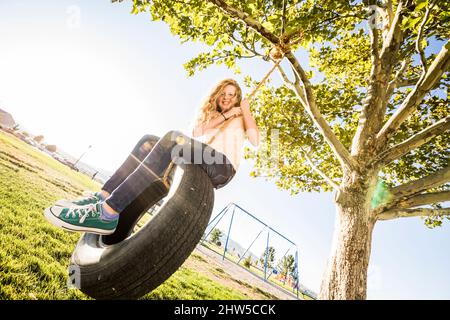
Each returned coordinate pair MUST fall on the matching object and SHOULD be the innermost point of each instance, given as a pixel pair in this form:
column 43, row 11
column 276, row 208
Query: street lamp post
column 81, row 156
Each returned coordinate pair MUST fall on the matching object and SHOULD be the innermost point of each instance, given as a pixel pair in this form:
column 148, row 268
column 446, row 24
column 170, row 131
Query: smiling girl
column 220, row 130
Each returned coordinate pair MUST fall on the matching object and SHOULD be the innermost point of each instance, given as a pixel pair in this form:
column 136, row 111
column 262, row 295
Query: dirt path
column 235, row 276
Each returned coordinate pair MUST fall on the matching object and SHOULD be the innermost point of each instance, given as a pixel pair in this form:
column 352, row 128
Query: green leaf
column 421, row 4
column 412, row 23
column 269, row 26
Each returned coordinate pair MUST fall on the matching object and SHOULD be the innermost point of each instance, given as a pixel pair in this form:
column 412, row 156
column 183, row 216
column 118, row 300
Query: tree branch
column 244, row 17
column 408, row 213
column 433, row 180
column 291, row 84
column 440, row 64
column 305, row 91
column 320, row 172
column 415, row 141
column 374, row 107
column 390, row 11
column 393, row 38
column 412, row 81
column 285, row 77
column 217, row 58
column 396, row 81
column 243, row 43
column 283, row 18
column 419, row 48
column 406, row 82
column 295, row 36
column 424, row 199
column 374, row 39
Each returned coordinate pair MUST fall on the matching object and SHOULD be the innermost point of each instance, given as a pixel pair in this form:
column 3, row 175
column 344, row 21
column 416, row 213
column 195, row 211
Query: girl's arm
column 200, row 130
column 250, row 124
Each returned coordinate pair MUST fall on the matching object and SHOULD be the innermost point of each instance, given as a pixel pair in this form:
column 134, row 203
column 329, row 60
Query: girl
column 223, row 123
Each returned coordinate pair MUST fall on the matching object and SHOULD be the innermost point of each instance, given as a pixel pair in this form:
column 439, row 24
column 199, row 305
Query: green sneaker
column 89, row 198
column 81, row 218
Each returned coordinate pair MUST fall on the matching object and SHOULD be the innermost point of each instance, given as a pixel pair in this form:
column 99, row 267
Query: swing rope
column 251, row 94
column 276, row 54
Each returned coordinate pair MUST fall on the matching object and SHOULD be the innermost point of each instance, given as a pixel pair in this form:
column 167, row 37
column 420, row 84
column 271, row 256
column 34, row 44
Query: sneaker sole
column 69, row 227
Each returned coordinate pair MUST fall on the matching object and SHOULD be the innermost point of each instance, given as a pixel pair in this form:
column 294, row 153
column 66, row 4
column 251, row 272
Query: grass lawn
column 34, row 255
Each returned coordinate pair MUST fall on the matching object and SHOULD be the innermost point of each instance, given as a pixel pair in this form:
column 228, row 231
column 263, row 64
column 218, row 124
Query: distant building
column 6, row 120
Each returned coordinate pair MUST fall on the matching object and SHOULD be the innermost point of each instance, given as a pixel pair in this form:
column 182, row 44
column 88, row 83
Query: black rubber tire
column 137, row 265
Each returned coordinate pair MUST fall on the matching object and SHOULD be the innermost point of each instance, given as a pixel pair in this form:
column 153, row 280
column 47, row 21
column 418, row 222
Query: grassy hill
column 34, row 254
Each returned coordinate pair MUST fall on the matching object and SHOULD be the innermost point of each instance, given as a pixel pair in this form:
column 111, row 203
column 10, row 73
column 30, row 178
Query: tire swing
column 145, row 251
column 127, row 264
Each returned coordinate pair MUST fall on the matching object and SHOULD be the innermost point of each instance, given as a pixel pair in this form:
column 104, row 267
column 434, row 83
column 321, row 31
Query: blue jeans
column 150, row 162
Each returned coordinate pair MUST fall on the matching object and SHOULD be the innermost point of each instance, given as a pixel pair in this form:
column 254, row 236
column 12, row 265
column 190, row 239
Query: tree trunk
column 346, row 274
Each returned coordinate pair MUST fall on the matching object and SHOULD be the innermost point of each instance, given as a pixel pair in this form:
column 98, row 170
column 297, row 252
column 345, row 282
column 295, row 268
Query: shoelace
column 91, row 198
column 82, row 212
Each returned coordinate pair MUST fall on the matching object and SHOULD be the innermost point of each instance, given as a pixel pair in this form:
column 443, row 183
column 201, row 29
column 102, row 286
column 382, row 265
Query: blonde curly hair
column 210, row 109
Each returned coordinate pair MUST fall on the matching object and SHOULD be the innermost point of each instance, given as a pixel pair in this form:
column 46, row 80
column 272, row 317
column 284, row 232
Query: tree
column 39, row 138
column 286, row 266
column 268, row 257
column 376, row 113
column 294, row 276
column 247, row 262
column 51, row 147
column 215, row 236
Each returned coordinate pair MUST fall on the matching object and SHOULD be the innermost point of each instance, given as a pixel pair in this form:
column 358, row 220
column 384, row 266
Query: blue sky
column 84, row 73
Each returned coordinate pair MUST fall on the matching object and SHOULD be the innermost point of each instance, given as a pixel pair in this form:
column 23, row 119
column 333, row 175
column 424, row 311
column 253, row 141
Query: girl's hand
column 233, row 112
